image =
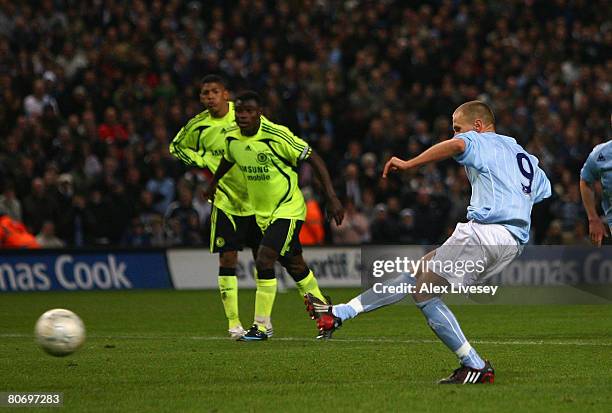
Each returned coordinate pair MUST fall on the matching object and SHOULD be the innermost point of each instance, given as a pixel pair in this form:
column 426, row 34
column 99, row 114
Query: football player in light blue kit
column 598, row 166
column 506, row 181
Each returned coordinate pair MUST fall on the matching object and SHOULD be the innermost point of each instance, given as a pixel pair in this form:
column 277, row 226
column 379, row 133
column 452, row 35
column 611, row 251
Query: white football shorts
column 474, row 253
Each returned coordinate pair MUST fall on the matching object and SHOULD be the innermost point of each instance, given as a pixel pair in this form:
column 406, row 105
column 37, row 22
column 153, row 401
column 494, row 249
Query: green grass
column 165, row 351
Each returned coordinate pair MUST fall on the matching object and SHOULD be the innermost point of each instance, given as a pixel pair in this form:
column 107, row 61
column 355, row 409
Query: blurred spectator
column 580, row 236
column 146, row 210
column 192, row 232
column 77, row 222
column 111, row 131
column 35, row 103
column 351, row 183
column 161, row 187
column 313, row 231
column 568, row 209
column 46, row 237
column 71, row 60
column 307, row 119
column 122, row 211
column 384, row 229
column 376, row 139
column 201, row 204
column 429, row 217
column 353, row 153
column 156, row 230
column 64, row 190
column 39, row 206
column 554, row 235
column 370, row 170
column 183, row 220
column 10, row 204
column 407, row 233
column 355, row 228
column 174, row 233
column 136, row 236
column 325, row 149
column 369, row 204
column 97, row 230
column 92, row 167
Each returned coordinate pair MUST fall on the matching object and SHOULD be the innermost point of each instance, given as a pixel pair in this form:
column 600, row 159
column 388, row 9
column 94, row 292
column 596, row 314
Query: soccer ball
column 60, row 332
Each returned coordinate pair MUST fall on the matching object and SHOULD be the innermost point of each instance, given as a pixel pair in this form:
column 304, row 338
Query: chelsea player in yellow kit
column 200, row 143
column 268, row 155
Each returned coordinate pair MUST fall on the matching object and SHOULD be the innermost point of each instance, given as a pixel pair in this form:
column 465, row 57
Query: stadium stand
column 91, row 92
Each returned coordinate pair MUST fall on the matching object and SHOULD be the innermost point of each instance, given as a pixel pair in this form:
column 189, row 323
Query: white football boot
column 236, row 332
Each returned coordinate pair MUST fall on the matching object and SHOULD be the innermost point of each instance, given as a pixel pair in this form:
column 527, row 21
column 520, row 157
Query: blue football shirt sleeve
column 589, row 172
column 543, row 188
column 469, row 157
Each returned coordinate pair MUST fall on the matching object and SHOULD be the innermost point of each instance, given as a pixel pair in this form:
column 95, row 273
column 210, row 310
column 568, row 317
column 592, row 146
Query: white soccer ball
column 60, row 332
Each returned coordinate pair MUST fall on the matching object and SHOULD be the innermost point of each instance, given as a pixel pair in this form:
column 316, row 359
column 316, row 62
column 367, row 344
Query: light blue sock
column 443, row 322
column 371, row 300
column 344, row 311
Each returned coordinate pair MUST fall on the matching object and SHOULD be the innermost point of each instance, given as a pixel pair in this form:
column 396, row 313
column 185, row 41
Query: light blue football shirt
column 599, row 166
column 506, row 181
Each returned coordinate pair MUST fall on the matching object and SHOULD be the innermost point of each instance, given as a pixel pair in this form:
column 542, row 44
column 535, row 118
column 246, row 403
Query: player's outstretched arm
column 223, row 168
column 334, row 206
column 597, row 230
column 438, row 152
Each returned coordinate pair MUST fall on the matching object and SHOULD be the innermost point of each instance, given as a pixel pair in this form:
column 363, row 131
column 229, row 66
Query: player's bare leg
column 303, row 276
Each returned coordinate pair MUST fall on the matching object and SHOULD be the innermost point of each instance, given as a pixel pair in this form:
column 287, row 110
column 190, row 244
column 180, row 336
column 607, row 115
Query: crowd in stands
column 92, row 91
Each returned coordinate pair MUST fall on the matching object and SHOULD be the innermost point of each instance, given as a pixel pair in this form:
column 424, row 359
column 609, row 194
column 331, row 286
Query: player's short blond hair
column 476, row 109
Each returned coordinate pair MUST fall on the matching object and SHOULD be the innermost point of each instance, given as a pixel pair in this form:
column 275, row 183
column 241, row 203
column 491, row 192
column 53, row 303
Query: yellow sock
column 309, row 285
column 264, row 301
column 228, row 287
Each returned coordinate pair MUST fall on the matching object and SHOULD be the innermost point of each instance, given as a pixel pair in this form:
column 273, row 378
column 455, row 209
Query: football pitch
column 167, row 351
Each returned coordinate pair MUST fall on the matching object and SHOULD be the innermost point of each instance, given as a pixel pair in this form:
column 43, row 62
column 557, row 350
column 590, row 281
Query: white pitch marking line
column 343, row 340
